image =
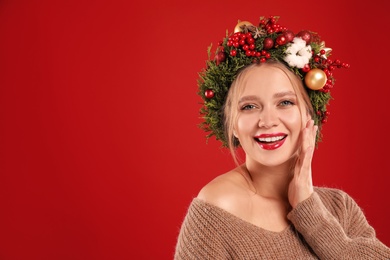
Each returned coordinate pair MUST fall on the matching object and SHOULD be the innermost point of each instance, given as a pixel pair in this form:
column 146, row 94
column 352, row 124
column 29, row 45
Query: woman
column 267, row 207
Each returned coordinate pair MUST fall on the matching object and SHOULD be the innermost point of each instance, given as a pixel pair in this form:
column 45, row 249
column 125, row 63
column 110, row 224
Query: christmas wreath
column 303, row 53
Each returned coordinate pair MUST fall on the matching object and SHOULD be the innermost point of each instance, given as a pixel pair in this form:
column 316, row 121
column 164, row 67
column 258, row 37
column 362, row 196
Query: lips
column 270, row 141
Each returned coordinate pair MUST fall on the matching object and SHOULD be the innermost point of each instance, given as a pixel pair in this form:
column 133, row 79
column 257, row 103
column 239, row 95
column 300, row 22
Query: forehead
column 266, row 79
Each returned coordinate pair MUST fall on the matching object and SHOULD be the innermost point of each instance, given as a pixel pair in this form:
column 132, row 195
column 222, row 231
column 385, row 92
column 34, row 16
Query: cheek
column 293, row 120
column 246, row 122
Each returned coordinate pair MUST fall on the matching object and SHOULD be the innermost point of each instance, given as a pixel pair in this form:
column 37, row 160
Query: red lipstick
column 271, row 141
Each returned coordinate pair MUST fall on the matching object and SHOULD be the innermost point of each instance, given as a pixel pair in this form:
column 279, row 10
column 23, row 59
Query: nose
column 268, row 118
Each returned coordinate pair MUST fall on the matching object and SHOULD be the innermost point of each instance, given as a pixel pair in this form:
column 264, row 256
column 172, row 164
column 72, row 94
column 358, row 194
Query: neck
column 269, row 182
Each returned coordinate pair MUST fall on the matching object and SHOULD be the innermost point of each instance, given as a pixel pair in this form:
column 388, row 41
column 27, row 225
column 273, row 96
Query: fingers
column 304, row 166
column 309, row 135
column 306, row 161
column 301, row 185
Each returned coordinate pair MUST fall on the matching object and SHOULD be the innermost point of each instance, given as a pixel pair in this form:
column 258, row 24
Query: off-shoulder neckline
column 235, row 218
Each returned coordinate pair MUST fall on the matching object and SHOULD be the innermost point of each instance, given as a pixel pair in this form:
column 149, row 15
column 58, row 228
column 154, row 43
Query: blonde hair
column 230, row 108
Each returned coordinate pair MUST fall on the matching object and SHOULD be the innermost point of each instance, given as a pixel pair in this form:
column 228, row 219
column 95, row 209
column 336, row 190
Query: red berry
column 306, row 68
column 233, row 53
column 250, row 40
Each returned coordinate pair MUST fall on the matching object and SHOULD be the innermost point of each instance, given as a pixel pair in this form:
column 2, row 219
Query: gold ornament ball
column 238, row 26
column 315, row 79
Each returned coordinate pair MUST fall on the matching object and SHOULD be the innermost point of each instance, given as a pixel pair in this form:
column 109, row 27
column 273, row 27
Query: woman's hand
column 301, row 185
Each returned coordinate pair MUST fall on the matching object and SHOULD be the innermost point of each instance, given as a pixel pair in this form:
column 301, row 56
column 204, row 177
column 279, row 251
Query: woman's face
column 269, row 120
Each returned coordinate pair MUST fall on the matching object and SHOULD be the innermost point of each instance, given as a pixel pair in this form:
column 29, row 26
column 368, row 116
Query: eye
column 248, row 107
column 286, row 103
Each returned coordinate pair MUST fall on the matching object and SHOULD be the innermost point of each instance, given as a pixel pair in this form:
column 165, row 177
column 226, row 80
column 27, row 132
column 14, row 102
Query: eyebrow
column 285, row 93
column 277, row 95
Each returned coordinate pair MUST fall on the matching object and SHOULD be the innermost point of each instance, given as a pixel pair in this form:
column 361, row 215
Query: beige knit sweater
column 328, row 225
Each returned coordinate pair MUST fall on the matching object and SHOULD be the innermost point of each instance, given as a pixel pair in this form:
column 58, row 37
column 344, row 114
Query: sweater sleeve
column 198, row 237
column 335, row 228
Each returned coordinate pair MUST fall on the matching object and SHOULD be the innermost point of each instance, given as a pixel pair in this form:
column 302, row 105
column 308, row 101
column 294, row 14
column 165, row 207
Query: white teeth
column 271, row 139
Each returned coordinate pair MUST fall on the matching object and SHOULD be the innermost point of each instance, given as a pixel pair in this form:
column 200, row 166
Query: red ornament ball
column 281, row 40
column 289, row 36
column 305, row 35
column 209, row 93
column 268, row 43
column 220, row 57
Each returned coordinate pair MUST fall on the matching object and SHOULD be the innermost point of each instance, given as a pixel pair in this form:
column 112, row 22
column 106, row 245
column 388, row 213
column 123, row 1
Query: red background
column 100, row 153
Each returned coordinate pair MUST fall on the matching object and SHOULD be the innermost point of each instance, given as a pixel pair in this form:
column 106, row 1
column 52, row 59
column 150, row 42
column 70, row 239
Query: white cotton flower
column 298, row 53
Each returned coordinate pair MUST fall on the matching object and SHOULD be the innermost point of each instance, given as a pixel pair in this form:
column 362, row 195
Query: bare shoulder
column 226, row 191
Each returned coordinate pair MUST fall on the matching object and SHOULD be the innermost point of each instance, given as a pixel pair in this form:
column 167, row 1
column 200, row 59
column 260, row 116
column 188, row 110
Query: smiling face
column 266, row 111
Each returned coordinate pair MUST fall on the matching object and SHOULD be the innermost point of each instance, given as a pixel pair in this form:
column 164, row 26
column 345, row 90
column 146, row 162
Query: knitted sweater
column 327, row 225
